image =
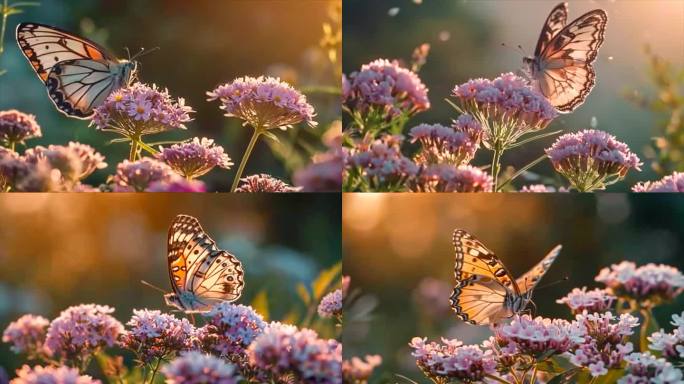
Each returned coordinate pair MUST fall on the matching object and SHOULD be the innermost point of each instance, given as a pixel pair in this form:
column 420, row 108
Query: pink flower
column 177, row 185
column 16, row 127
column 331, row 304
column 325, row 173
column 646, row 368
column 451, row 360
column 591, row 159
column 440, row 144
column 140, row 110
column 196, row 368
column 51, row 375
column 264, row 102
column 140, row 175
column 541, row 188
column 534, row 337
column 74, row 161
column 235, row 327
column 26, row 334
column 649, row 284
column 284, row 349
column 670, row 183
column 153, row 335
column 670, row 344
column 385, row 87
column 81, row 331
column 264, row 183
column 596, row 300
column 447, row 178
column 357, row 370
column 194, row 158
column 380, row 163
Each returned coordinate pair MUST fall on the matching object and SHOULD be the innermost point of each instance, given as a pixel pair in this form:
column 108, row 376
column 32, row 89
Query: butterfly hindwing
column 478, row 300
column 199, row 270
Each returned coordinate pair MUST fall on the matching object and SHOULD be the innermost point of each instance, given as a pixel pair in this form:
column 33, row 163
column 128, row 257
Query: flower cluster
column 264, row 102
column 448, row 178
column 325, row 173
column 670, row 183
column 153, row 335
column 382, row 91
column 358, row 370
column 449, row 360
column 534, row 337
column 140, row 110
column 646, row 368
column 74, row 161
column 454, row 145
column 380, row 164
column 670, row 344
column 51, row 375
column 16, row 127
column 264, row 183
column 602, row 340
column 232, row 328
column 285, row 350
column 194, row 158
column 591, row 159
column 649, row 284
column 331, row 304
column 541, row 188
column 140, row 175
column 81, row 331
column 197, row 368
column 506, row 107
column 26, row 334
column 580, row 300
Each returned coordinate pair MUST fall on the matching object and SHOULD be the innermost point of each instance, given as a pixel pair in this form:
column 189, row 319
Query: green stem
column 534, row 138
column 12, row 146
column 496, row 165
column 498, row 379
column 522, row 170
column 245, row 157
column 134, row 149
column 533, row 379
column 5, row 14
column 645, row 328
column 154, row 371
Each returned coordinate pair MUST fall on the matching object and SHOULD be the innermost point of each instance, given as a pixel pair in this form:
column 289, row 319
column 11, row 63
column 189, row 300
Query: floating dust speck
column 444, row 36
column 419, row 2
column 610, row 58
column 393, row 11
column 594, row 122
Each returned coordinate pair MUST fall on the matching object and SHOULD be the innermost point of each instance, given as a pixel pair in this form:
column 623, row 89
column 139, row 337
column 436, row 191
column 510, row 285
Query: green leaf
column 325, row 280
column 260, row 304
column 550, row 366
column 304, row 294
column 272, row 136
column 405, row 378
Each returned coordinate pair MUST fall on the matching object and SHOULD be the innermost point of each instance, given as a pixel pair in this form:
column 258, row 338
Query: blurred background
column 203, row 43
column 60, row 250
column 397, row 249
column 466, row 37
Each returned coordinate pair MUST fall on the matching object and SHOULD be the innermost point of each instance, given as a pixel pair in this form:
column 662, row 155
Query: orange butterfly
column 485, row 291
column 78, row 73
column 561, row 67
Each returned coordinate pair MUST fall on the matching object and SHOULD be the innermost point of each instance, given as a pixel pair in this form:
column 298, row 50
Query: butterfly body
column 485, row 292
column 201, row 274
column 561, row 68
column 78, row 73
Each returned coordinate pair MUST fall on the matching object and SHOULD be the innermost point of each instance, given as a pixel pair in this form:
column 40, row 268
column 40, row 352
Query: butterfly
column 485, row 291
column 561, row 68
column 78, row 73
column 201, row 274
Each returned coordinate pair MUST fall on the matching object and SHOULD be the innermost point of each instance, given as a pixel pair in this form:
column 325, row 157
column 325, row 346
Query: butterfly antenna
column 128, row 52
column 522, row 50
column 564, row 279
column 144, row 52
column 153, row 286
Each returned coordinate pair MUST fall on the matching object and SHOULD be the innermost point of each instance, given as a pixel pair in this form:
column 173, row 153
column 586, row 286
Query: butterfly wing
column 529, row 280
column 564, row 73
column 201, row 274
column 554, row 23
column 482, row 281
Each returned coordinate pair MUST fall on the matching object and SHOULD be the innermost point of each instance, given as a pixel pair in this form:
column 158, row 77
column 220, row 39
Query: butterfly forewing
column 531, row 278
column 474, row 258
column 198, row 269
column 554, row 24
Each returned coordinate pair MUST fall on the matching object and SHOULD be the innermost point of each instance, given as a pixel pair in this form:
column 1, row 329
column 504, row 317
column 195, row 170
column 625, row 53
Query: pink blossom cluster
column 264, row 102
column 602, row 340
column 141, row 175
column 196, row 368
column 153, row 335
column 443, row 362
column 81, row 331
column 331, row 304
column 454, row 145
column 26, row 334
column 449, row 178
column 264, row 183
column 384, row 88
column 232, row 327
column 357, row 370
column 534, row 336
column 16, row 127
column 140, row 110
column 541, row 188
column 285, row 350
column 325, row 173
column 671, row 345
column 649, row 284
column 646, row 368
column 595, row 300
column 670, row 183
column 507, row 107
column 51, row 375
column 194, row 158
column 591, row 159
column 380, row 163
column 74, row 161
